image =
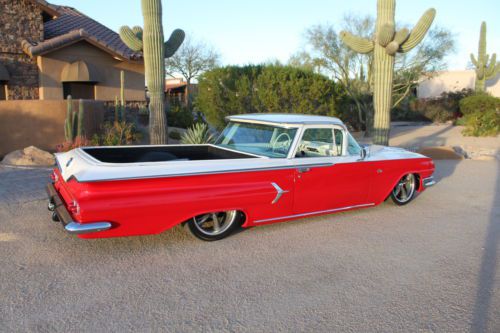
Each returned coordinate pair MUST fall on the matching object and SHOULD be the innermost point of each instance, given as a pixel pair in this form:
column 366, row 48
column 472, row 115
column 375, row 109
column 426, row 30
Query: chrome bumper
column 61, row 214
column 428, row 182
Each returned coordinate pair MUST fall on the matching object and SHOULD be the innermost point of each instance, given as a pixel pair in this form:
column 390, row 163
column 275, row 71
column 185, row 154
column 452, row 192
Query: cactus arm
column 419, row 31
column 474, row 60
column 137, row 30
column 128, row 36
column 358, row 44
column 491, row 70
column 174, row 42
column 386, row 34
column 68, row 134
column 402, row 36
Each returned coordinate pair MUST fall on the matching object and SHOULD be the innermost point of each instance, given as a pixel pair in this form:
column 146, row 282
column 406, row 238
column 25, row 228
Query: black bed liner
column 162, row 153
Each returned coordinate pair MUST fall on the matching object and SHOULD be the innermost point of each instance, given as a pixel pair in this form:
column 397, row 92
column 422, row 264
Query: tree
column 265, row 88
column 327, row 54
column 192, row 59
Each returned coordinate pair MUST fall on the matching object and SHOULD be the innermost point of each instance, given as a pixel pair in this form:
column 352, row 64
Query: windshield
column 264, row 140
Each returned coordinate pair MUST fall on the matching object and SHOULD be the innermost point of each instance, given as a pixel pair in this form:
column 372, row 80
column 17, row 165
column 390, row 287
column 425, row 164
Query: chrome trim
column 279, row 193
column 428, row 182
column 85, row 228
column 314, row 213
column 318, row 165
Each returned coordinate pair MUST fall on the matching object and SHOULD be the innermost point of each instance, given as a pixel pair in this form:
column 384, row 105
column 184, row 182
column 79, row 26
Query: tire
column 204, row 228
column 405, row 190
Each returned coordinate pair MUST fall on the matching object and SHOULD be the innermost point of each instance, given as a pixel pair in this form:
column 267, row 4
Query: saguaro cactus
column 486, row 68
column 151, row 42
column 386, row 44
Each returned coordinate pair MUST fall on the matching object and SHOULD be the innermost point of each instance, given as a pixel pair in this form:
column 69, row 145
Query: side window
column 316, row 142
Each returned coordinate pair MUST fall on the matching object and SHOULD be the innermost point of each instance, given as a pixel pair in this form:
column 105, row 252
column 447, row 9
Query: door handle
column 304, row 169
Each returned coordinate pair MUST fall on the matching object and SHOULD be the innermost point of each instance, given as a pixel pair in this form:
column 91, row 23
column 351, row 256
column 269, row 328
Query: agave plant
column 199, row 133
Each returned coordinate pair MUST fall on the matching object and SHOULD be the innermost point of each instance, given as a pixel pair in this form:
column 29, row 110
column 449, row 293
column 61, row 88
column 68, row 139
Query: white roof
column 286, row 119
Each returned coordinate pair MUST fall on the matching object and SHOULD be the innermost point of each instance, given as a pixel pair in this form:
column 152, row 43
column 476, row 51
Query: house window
column 3, row 91
column 79, row 90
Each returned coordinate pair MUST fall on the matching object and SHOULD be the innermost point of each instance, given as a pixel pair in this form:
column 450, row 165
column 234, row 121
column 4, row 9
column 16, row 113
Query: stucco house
column 448, row 81
column 48, row 52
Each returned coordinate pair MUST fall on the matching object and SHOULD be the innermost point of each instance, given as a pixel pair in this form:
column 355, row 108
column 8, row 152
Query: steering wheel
column 276, row 144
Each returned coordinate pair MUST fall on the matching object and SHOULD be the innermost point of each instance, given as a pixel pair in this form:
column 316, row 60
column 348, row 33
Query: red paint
column 151, row 206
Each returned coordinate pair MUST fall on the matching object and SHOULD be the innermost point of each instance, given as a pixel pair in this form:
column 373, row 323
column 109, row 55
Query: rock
column 30, row 156
column 441, row 153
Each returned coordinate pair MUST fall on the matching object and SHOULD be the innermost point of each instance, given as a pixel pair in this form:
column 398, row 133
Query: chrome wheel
column 404, row 191
column 215, row 224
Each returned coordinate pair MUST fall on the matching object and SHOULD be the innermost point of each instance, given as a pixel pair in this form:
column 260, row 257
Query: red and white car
column 264, row 168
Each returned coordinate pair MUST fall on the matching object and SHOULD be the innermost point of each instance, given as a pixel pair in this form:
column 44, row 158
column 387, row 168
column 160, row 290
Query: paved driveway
column 431, row 266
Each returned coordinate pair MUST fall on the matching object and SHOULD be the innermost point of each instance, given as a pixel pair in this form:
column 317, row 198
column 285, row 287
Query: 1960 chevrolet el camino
column 264, row 168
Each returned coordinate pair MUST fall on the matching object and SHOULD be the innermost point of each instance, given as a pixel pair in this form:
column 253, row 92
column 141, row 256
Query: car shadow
column 487, row 271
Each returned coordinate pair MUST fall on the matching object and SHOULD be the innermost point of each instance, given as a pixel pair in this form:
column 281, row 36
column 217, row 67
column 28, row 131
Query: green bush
column 442, row 109
column 265, row 88
column 481, row 115
column 179, row 116
column 174, row 135
column 479, row 103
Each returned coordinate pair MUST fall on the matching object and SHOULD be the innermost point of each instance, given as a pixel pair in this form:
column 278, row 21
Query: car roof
column 286, row 119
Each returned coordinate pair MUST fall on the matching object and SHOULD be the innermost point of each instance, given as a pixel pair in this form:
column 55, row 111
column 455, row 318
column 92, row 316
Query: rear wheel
column 405, row 190
column 214, row 226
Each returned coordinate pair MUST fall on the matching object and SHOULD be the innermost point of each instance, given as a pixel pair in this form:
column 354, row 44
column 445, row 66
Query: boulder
column 29, row 156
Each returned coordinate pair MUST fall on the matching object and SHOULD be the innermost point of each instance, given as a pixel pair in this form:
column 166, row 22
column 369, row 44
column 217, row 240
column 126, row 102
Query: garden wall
column 41, row 123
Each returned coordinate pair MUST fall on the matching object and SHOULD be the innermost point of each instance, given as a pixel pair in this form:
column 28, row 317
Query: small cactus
column 117, row 110
column 122, row 95
column 486, row 67
column 386, row 44
column 151, row 42
column 73, row 125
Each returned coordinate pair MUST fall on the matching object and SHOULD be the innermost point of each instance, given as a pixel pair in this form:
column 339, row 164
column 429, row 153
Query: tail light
column 74, row 207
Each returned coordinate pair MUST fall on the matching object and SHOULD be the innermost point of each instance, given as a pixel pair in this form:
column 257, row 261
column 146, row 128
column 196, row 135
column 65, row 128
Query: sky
column 256, row 31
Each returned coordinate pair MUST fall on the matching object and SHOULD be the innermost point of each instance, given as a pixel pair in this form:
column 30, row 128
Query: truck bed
column 137, row 154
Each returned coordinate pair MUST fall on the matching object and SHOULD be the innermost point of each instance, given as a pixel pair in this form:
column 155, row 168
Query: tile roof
column 70, row 26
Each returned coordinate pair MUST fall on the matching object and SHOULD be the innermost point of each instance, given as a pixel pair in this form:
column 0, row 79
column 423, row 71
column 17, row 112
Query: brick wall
column 20, row 19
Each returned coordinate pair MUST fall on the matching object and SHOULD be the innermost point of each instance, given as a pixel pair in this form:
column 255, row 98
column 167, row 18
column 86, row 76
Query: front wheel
column 214, row 226
column 405, row 190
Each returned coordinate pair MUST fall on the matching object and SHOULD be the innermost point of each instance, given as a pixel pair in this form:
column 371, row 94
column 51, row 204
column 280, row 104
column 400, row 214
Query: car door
column 328, row 175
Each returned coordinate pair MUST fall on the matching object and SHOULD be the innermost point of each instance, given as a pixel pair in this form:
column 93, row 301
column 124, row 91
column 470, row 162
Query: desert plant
column 199, row 133
column 179, row 116
column 486, row 68
column 122, row 95
column 116, row 134
column 174, row 135
column 481, row 115
column 73, row 124
column 76, row 143
column 387, row 43
column 151, row 42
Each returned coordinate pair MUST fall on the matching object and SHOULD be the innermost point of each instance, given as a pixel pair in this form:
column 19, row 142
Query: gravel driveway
column 431, row 266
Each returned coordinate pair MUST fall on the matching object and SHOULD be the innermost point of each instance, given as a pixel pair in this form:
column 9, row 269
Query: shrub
column 174, row 135
column 117, row 134
column 198, row 134
column 481, row 115
column 76, row 143
column 180, row 116
column 264, row 88
column 442, row 109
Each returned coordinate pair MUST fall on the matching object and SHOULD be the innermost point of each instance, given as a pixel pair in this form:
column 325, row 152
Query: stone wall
column 20, row 19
